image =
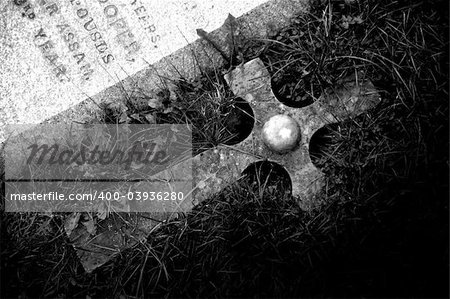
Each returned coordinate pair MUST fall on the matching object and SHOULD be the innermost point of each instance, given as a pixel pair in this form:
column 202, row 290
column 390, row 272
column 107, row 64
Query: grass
column 383, row 231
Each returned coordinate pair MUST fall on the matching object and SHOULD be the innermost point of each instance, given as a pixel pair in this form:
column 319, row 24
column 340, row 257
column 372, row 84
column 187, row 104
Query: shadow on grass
column 383, row 231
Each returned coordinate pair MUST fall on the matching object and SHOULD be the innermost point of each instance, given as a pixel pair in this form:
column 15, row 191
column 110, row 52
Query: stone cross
column 216, row 168
column 219, row 167
column 56, row 54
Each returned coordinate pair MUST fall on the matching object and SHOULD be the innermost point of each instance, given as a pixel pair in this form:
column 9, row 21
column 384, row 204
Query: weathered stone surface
column 41, row 76
column 219, row 167
column 108, row 241
column 255, row 24
column 55, row 54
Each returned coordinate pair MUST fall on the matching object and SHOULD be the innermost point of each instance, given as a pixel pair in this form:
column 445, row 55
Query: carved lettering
column 108, row 58
column 90, row 26
column 111, row 11
column 124, row 35
column 27, row 9
column 73, row 44
column 50, row 6
column 146, row 23
column 82, row 13
column 40, row 34
column 46, row 46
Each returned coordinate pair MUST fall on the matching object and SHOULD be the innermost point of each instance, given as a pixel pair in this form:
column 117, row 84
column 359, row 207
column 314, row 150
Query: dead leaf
column 230, row 23
column 233, row 39
column 102, row 212
column 155, row 103
column 135, row 116
column 136, row 166
column 173, row 96
column 201, row 185
column 71, row 222
column 358, row 20
column 123, row 118
column 168, row 110
column 150, row 118
column 345, row 22
column 90, row 226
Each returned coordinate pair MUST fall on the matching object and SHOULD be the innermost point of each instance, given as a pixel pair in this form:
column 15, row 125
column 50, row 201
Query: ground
column 383, row 230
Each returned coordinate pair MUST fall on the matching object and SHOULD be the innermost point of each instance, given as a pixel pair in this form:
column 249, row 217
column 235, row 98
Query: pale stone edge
column 274, row 14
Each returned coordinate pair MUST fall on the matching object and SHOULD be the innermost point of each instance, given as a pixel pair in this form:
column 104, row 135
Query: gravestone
column 55, row 54
column 60, row 59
